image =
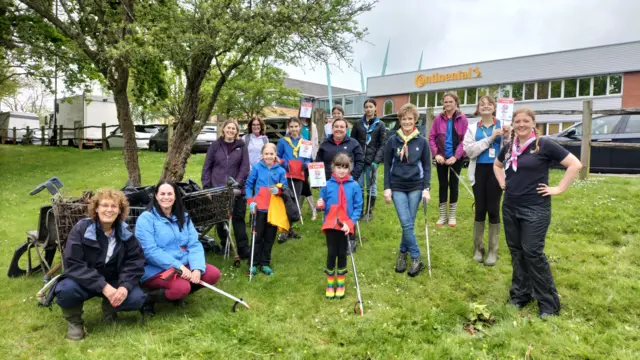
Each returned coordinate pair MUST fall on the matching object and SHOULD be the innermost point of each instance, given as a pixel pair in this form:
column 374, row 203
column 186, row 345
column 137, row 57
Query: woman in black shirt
column 522, row 170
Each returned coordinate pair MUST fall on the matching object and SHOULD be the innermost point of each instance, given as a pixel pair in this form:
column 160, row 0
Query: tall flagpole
column 420, row 63
column 329, row 87
column 386, row 57
column 361, row 78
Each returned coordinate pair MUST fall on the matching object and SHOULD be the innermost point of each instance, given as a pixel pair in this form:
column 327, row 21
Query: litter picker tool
column 355, row 276
column 221, row 292
column 465, row 186
column 359, row 235
column 253, row 242
column 295, row 196
column 372, row 180
column 426, row 233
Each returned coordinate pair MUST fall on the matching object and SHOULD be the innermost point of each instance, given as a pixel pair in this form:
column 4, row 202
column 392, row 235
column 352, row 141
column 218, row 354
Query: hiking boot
column 442, row 214
column 266, row 270
column 401, row 263
column 75, row 327
column 293, row 235
column 478, row 243
column 492, row 258
column 416, row 267
column 546, row 316
column 109, row 313
column 452, row 214
column 351, row 246
column 330, row 293
column 282, row 237
column 340, row 283
column 153, row 296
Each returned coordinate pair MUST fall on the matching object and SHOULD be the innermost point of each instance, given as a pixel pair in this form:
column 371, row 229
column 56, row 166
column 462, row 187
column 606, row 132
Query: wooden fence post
column 104, row 136
column 585, row 149
column 42, row 137
column 4, row 135
column 81, row 140
column 15, row 136
column 27, row 140
column 60, row 136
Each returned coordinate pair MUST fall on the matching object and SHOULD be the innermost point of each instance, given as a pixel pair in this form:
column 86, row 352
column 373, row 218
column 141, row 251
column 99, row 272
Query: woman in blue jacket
column 407, row 177
column 266, row 178
column 170, row 242
column 342, row 197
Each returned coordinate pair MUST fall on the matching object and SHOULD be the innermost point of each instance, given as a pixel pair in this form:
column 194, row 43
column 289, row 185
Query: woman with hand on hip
column 482, row 143
column 446, row 138
column 407, row 178
column 522, row 170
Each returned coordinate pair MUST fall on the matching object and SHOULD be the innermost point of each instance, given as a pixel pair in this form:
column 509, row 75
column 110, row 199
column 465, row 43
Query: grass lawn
column 592, row 244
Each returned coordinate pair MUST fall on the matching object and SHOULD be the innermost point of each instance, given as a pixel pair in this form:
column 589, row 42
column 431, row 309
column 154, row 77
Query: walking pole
column 426, row 233
column 359, row 235
column 253, row 243
column 355, row 275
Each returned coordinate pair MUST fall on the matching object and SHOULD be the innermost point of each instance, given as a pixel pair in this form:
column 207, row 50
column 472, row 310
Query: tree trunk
column 130, row 152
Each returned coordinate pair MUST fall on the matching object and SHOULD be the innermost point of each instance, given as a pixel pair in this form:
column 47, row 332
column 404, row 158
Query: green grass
column 592, row 246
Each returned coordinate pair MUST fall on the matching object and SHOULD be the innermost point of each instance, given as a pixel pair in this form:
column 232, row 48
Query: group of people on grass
column 104, row 258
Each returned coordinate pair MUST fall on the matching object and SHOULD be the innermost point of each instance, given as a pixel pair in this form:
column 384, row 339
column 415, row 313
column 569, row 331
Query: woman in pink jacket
column 446, row 141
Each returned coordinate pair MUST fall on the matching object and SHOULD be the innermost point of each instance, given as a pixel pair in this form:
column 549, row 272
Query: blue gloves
column 252, row 207
column 275, row 190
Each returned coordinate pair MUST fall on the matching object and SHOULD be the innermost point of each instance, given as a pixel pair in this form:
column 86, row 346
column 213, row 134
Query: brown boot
column 75, row 327
column 478, row 244
column 492, row 258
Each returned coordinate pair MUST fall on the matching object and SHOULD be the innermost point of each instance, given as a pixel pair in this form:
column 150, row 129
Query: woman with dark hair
column 170, row 242
column 228, row 157
column 101, row 258
column 371, row 133
column 446, row 140
column 255, row 139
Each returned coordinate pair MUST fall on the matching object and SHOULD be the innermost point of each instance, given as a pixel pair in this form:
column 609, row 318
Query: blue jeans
column 407, row 204
column 366, row 173
column 71, row 294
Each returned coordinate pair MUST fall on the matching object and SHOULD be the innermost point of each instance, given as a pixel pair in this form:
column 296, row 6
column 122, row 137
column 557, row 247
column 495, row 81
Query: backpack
column 290, row 205
column 245, row 138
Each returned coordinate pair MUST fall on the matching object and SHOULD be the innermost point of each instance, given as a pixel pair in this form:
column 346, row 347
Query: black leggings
column 448, row 181
column 239, row 226
column 336, row 246
column 265, row 236
column 487, row 193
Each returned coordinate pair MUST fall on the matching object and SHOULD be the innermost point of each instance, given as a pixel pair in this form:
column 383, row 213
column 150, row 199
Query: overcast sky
column 463, row 31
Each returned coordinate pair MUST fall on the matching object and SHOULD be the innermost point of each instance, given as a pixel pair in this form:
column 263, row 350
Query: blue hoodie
column 285, row 152
column 165, row 246
column 353, row 193
column 262, row 176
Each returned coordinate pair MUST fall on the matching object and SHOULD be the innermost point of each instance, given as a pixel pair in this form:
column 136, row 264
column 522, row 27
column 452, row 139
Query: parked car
column 36, row 137
column 208, row 134
column 607, row 129
column 143, row 133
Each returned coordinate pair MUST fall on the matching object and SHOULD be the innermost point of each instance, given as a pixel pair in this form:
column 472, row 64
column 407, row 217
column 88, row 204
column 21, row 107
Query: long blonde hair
column 527, row 111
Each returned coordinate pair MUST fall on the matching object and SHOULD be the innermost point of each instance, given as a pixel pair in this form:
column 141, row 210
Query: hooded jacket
column 353, row 194
column 285, row 154
column 329, row 149
column 374, row 151
column 220, row 164
column 263, row 177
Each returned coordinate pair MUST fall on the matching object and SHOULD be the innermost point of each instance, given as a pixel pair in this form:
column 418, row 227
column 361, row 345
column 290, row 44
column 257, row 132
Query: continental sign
column 471, row 73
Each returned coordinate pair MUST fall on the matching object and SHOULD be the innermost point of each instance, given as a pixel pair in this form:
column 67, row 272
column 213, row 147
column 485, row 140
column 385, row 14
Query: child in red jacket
column 343, row 198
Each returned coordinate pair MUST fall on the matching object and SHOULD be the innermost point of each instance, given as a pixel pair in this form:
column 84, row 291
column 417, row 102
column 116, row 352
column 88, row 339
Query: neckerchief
column 405, row 148
column 295, row 148
column 369, row 128
column 481, row 127
column 342, row 198
column 517, row 150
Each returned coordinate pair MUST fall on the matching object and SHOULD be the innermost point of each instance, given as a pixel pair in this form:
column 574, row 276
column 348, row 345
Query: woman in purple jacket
column 446, row 141
column 228, row 157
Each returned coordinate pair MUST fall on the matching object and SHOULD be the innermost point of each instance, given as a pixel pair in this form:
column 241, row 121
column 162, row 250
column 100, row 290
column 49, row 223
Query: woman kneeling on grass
column 266, row 178
column 343, row 197
column 522, row 169
column 101, row 258
column 407, row 178
column 170, row 242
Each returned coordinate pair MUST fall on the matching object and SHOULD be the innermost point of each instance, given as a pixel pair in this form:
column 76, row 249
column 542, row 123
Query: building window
column 461, row 96
column 517, row 92
column 482, row 92
column 431, row 99
column 471, row 96
column 422, row 100
column 570, row 88
column 438, row 99
column 349, row 107
column 388, row 107
column 413, row 98
column 529, row 91
column 599, row 86
column 615, row 84
column 543, row 90
column 505, row 91
column 493, row 91
column 584, row 87
column 556, row 89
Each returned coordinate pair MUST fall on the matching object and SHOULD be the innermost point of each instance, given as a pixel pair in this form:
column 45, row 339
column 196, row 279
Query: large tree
column 99, row 40
column 218, row 38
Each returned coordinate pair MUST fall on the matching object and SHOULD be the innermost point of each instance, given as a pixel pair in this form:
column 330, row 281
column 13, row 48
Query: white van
column 81, row 111
column 20, row 121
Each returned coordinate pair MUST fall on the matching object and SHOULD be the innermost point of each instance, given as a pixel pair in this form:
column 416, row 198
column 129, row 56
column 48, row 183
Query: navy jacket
column 328, row 150
column 403, row 175
column 86, row 251
column 374, row 151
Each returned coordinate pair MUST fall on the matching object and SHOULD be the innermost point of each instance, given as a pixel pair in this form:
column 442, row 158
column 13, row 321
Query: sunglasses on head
column 344, row 166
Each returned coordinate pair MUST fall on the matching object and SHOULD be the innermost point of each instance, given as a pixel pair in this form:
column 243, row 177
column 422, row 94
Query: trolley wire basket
column 208, row 207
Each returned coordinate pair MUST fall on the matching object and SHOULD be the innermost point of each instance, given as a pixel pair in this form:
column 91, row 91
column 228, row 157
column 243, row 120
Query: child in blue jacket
column 342, row 200
column 261, row 183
